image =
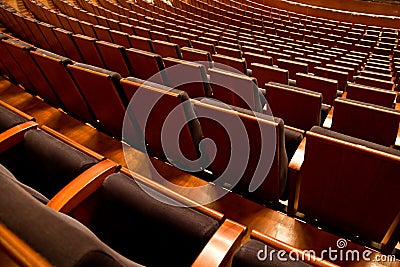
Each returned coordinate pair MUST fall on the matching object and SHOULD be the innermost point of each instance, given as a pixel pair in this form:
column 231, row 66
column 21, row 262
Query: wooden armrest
column 17, row 111
column 302, row 255
column 82, row 186
column 169, row 192
column 221, row 246
column 72, row 142
column 15, row 135
column 293, row 177
column 328, row 121
column 19, row 251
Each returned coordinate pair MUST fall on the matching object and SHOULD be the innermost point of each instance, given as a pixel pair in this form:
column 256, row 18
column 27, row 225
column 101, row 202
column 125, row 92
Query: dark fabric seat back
column 146, row 230
column 9, row 119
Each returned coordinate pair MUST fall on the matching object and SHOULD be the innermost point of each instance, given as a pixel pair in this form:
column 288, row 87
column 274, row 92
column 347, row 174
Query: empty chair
column 44, row 162
column 231, row 64
column 146, row 65
column 235, row 89
column 58, row 247
column 115, row 58
column 340, row 76
column 149, row 107
column 51, row 38
column 298, row 107
column 366, row 121
column 102, row 33
column 265, row 74
column 222, row 125
column 181, row 41
column 201, row 56
column 20, row 52
column 345, row 164
column 166, row 49
column 101, row 90
column 155, row 35
column 65, row 38
column 187, row 76
column 88, row 48
column 203, row 46
column 256, row 58
column 293, row 67
column 142, row 32
column 371, row 95
column 141, row 43
column 327, row 87
column 120, row 38
column 10, row 117
column 227, row 51
column 55, row 69
column 388, row 85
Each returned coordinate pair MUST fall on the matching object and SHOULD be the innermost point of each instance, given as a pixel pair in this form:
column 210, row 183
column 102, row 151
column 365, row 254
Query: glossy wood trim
column 308, row 258
column 160, row 188
column 221, row 246
column 15, row 135
column 72, row 143
column 82, row 186
column 294, row 177
column 19, row 251
column 17, row 111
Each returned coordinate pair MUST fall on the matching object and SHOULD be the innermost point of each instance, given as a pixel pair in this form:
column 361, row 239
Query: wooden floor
column 253, row 215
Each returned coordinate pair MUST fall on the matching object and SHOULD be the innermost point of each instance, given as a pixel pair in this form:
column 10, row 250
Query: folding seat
column 327, row 87
column 347, row 163
column 44, row 161
column 38, row 39
column 89, row 80
column 276, row 55
column 230, row 52
column 293, row 67
column 187, row 76
column 64, row 22
column 142, row 32
column 146, row 65
column 339, row 67
column 366, row 121
column 180, row 41
column 216, row 119
column 298, row 107
column 340, row 76
column 230, row 44
column 115, row 58
column 20, row 52
column 65, row 38
column 88, row 49
column 141, row 43
column 383, row 84
column 257, row 58
column 75, row 25
column 119, row 212
column 231, row 64
column 10, row 117
column 197, row 55
column 120, row 38
column 155, row 35
column 166, row 49
column 203, row 46
column 265, row 74
column 235, row 89
column 376, row 75
column 150, row 109
column 54, row 68
column 248, row 255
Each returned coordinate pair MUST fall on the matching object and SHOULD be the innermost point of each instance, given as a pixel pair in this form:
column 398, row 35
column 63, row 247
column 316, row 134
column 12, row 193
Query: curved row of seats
column 109, row 212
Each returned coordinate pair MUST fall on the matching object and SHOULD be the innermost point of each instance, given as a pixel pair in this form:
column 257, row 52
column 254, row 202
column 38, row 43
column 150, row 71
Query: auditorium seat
column 20, row 52
column 227, row 51
column 167, row 49
column 150, row 107
column 146, row 65
column 259, row 252
column 141, row 43
column 231, row 64
column 142, row 32
column 388, row 85
column 257, row 58
column 347, row 163
column 197, row 55
column 235, row 89
column 102, row 33
column 38, row 235
column 340, row 76
column 180, row 41
column 120, row 38
column 298, row 107
column 210, row 48
column 265, row 74
column 327, row 87
column 369, row 122
column 101, row 90
column 371, row 95
column 187, row 76
column 114, row 58
column 226, row 166
column 51, row 38
column 54, row 67
column 122, row 209
column 65, row 38
column 44, row 161
column 293, row 67
column 88, row 49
